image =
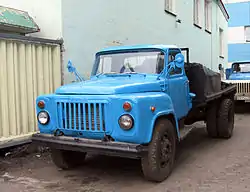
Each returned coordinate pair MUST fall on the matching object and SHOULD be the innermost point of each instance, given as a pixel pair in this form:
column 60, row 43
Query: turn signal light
column 127, row 106
column 152, row 108
column 41, row 104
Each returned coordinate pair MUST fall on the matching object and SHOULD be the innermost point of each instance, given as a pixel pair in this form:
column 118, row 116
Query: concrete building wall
column 91, row 25
column 87, row 26
column 46, row 13
column 238, row 38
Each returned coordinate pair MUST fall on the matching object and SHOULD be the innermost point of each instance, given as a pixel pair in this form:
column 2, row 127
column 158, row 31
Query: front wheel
column 158, row 163
column 65, row 159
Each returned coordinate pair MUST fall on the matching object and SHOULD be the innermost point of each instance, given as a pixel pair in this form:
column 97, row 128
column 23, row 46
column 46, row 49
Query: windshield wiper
column 122, row 74
column 130, row 72
column 99, row 74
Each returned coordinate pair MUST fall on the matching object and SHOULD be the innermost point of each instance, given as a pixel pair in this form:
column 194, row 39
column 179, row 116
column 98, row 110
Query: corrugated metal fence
column 28, row 67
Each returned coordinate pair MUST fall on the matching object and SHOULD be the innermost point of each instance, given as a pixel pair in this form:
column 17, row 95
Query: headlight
column 126, row 122
column 43, row 117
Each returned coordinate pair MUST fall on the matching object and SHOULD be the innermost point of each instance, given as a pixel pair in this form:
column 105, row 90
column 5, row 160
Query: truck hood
column 239, row 76
column 109, row 86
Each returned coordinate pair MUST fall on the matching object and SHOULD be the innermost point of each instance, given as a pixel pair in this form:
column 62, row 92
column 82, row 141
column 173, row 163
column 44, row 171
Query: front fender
column 162, row 114
column 50, row 108
column 163, row 106
column 143, row 116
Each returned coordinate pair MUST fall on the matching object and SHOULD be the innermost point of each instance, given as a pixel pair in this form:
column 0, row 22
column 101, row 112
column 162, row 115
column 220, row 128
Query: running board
column 188, row 128
column 185, row 131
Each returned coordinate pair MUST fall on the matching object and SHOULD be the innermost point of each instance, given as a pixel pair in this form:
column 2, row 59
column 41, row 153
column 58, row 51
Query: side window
column 171, row 57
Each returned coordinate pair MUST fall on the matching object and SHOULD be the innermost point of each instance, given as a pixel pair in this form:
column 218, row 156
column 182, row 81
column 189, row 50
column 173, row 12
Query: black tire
column 225, row 119
column 164, row 136
column 67, row 159
column 211, row 117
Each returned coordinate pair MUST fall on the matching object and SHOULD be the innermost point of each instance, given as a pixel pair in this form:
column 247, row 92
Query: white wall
column 236, row 35
column 46, row 13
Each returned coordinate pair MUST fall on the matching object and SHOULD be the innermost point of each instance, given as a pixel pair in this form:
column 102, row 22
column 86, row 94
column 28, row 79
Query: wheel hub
column 166, row 149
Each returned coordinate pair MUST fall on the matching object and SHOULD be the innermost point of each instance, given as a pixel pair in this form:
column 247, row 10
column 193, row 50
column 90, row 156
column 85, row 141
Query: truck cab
column 134, row 105
column 128, row 85
column 239, row 74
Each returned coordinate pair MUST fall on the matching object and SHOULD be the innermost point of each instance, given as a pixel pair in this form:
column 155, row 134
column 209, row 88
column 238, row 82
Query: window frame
column 245, row 33
column 169, row 7
column 197, row 13
column 176, row 51
column 208, row 15
column 221, row 42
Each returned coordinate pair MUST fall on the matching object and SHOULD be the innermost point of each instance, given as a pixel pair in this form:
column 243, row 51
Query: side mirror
column 71, row 68
column 179, row 59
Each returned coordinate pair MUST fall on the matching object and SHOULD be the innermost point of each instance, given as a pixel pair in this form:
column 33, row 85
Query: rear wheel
column 67, row 159
column 225, row 119
column 158, row 163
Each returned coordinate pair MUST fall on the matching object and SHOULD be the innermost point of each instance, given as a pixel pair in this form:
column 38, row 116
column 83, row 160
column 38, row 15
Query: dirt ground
column 203, row 164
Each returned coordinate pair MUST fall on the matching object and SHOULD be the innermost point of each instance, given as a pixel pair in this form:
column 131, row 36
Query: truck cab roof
column 132, row 47
column 241, row 62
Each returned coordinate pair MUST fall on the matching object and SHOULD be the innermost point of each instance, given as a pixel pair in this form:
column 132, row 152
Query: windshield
column 241, row 67
column 131, row 62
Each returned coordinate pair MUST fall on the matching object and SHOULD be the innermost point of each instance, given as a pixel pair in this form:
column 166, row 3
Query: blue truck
column 139, row 103
column 239, row 75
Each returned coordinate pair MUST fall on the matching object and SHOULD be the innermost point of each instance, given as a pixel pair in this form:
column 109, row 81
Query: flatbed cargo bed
column 208, row 89
column 226, row 90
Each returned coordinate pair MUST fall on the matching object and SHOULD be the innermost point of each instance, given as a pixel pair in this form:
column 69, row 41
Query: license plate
column 243, row 98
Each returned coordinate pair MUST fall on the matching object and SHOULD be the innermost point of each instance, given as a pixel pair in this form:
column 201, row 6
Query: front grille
column 81, row 116
column 243, row 88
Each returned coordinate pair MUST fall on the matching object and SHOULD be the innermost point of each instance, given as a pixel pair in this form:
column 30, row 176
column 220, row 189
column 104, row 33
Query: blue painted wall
column 239, row 18
column 238, row 52
column 239, row 14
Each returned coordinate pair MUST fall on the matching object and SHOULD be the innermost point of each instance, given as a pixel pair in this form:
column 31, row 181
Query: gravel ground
column 203, row 164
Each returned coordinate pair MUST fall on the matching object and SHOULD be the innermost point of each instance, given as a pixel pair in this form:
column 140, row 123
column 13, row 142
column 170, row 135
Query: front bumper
column 89, row 145
column 243, row 89
column 242, row 97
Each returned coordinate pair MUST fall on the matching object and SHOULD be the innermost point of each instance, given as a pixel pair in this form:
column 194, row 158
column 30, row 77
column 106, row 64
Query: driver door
column 178, row 86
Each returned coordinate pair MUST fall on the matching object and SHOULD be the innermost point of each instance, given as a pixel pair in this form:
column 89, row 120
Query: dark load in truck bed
column 208, row 88
column 202, row 81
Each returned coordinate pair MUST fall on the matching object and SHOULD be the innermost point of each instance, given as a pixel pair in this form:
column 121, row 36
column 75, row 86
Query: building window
column 208, row 15
column 170, row 6
column 221, row 36
column 247, row 33
column 197, row 10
